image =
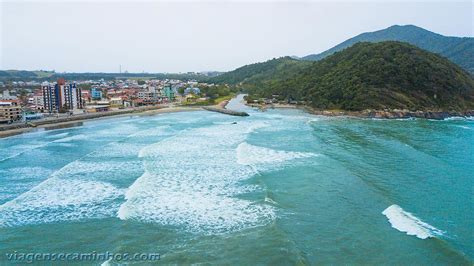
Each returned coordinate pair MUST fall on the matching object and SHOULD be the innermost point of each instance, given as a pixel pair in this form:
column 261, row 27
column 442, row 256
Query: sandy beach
column 78, row 120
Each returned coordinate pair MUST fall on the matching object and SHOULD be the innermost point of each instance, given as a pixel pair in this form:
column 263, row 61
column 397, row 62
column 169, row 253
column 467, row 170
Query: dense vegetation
column 213, row 93
column 458, row 50
column 371, row 76
column 17, row 74
column 258, row 72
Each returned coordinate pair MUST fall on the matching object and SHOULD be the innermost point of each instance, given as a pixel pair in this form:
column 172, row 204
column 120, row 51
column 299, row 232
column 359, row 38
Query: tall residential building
column 96, row 93
column 37, row 100
column 61, row 97
column 169, row 93
column 10, row 110
column 151, row 95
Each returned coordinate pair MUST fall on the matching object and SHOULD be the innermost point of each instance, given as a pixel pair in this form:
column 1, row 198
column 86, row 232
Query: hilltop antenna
column 120, row 69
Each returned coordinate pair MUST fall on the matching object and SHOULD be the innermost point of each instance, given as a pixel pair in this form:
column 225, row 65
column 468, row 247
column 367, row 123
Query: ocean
column 280, row 187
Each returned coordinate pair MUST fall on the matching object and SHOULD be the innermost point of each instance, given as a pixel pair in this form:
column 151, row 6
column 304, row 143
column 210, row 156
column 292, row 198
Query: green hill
column 17, row 74
column 255, row 73
column 458, row 50
column 375, row 76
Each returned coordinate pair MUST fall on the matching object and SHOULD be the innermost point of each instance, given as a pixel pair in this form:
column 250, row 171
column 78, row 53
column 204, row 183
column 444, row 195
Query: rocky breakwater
column 225, row 111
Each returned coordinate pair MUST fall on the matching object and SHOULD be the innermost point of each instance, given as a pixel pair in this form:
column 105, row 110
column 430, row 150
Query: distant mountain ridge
column 459, row 50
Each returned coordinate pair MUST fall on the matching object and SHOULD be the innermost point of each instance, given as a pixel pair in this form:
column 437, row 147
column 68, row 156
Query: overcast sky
column 154, row 36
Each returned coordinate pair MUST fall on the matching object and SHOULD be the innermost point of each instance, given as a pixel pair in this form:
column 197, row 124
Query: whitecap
column 60, row 135
column 465, row 127
column 406, row 222
column 72, row 138
column 118, row 150
column 152, row 132
column 57, row 199
column 20, row 149
column 248, row 154
column 191, row 181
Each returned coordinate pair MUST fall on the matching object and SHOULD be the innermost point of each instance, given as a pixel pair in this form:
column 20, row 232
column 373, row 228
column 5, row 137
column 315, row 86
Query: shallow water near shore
column 277, row 187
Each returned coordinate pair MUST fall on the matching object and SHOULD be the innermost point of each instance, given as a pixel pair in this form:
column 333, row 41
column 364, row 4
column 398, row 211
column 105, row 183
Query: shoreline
column 9, row 130
column 71, row 121
column 377, row 114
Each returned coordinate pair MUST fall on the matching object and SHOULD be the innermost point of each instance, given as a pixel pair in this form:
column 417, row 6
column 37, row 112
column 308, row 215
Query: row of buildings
column 33, row 100
column 68, row 97
column 84, row 96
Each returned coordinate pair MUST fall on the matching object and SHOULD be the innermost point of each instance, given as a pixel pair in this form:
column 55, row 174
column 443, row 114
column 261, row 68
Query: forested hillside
column 375, row 76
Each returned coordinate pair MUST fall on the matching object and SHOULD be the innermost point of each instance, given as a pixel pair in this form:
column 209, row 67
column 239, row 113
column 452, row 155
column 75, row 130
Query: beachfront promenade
column 19, row 127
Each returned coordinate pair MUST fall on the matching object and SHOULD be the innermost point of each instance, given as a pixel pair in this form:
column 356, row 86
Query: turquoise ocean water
column 280, row 187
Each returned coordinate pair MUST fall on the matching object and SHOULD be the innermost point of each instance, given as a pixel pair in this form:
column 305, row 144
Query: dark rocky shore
column 382, row 114
column 394, row 114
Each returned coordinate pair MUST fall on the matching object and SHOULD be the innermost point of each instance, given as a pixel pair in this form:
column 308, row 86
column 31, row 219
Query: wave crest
column 406, row 222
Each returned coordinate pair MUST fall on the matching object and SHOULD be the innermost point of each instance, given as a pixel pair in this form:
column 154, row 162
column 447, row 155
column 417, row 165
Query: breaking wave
column 406, row 222
column 248, row 154
column 192, row 180
column 57, row 199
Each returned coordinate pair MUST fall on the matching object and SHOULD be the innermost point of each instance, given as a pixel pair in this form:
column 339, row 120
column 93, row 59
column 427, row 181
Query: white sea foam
column 313, row 120
column 74, row 192
column 83, row 188
column 152, row 132
column 118, row 150
column 72, row 138
column 465, row 127
column 20, row 149
column 59, row 199
column 191, row 180
column 406, row 222
column 454, row 118
column 248, row 154
column 60, row 135
column 270, row 200
column 18, row 180
column 279, row 122
column 103, row 170
column 122, row 129
column 66, row 144
column 19, row 173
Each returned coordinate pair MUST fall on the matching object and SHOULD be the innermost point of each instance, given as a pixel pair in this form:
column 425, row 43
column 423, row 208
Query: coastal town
column 23, row 102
